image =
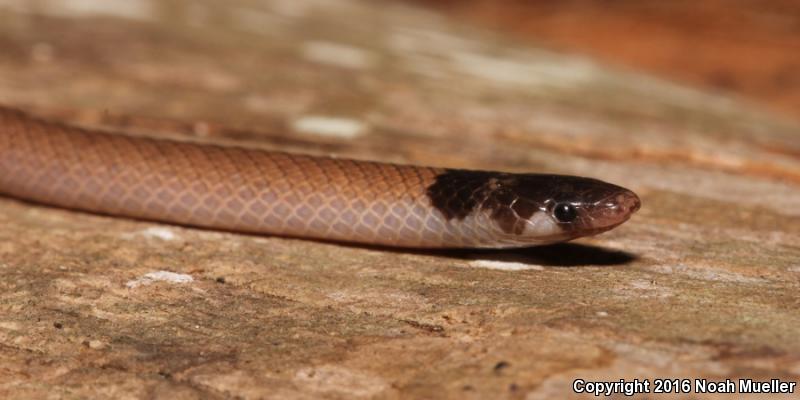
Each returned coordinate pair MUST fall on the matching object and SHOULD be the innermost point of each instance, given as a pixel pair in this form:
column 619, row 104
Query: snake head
column 516, row 210
column 579, row 207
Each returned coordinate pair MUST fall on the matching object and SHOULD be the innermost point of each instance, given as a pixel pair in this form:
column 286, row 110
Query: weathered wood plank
column 703, row 282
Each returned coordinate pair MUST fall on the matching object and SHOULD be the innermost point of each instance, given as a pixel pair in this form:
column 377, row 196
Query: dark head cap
column 533, row 208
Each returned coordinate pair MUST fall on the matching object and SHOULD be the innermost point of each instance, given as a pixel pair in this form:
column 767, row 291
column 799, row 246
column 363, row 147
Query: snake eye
column 565, row 212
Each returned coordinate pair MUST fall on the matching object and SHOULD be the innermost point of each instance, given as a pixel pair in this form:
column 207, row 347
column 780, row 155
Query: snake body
column 275, row 193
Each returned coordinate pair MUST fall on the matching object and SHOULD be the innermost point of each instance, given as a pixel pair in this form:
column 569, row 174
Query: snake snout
column 615, row 209
column 628, row 202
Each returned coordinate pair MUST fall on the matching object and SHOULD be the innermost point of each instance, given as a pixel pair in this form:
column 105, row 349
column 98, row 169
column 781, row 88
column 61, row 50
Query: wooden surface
column 702, row 283
column 738, row 47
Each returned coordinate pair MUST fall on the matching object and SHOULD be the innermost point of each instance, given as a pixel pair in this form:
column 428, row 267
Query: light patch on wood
column 338, row 55
column 131, row 9
column 159, row 276
column 158, row 232
column 10, row 325
column 329, row 126
column 531, row 71
column 504, row 265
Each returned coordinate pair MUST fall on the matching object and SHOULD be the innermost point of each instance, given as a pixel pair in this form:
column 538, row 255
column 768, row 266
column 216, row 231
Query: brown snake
column 258, row 191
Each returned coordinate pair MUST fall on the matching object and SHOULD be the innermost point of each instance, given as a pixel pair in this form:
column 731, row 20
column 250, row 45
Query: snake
column 257, row 191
